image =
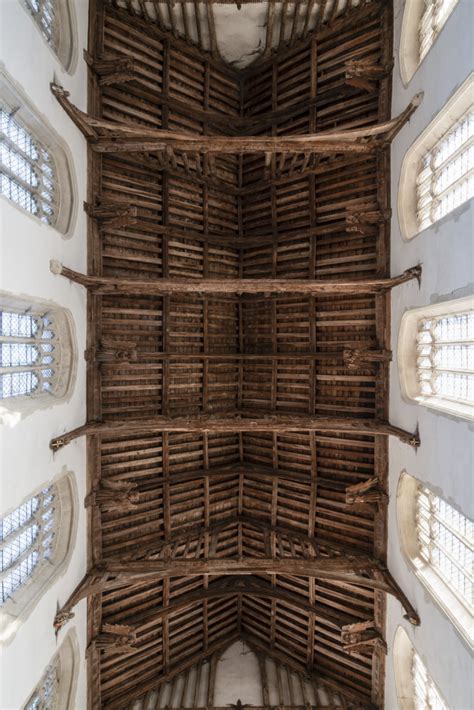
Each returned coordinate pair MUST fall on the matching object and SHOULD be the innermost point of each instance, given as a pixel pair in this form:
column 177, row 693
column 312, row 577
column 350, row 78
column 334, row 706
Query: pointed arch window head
column 36, row 354
column 54, row 19
column 437, row 173
column 436, row 356
column 57, row 686
column 438, row 539
column 35, row 172
column 423, row 21
column 36, row 541
column 433, row 19
column 416, row 689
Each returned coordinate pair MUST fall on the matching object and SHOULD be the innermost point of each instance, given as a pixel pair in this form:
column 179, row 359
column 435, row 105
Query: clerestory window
column 36, row 353
column 36, row 541
column 438, row 539
column 436, row 356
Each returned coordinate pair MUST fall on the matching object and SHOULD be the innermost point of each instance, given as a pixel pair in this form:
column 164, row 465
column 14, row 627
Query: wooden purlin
column 231, row 224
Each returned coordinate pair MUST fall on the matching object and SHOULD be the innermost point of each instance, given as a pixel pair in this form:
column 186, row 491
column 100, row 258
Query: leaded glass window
column 446, row 176
column 445, row 362
column 27, row 540
column 426, row 694
column 27, row 171
column 29, row 353
column 435, row 14
column 446, row 542
column 44, row 14
column 45, row 696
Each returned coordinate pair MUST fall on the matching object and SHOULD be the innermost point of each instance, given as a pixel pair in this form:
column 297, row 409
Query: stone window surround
column 65, row 187
column 17, row 609
column 445, row 598
column 407, row 356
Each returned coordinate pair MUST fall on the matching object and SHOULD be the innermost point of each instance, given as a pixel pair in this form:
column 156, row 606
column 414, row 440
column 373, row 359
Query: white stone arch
column 415, row 14
column 453, row 605
column 408, row 664
column 52, row 509
column 413, row 355
column 53, row 176
column 451, row 113
column 57, row 687
column 56, row 21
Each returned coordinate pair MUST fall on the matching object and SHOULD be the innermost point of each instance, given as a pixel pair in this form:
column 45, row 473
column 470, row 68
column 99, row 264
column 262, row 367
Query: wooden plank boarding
column 238, row 348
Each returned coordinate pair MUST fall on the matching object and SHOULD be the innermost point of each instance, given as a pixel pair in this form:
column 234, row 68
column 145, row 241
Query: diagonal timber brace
column 113, row 137
column 110, row 285
column 210, row 423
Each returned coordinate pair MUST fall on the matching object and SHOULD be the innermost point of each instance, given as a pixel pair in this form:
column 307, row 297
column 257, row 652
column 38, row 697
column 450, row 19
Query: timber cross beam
column 115, row 137
column 103, row 285
column 211, row 423
column 359, row 570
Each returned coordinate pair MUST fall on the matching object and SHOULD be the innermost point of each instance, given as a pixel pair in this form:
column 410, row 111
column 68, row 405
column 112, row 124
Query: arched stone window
column 34, row 168
column 36, row 354
column 36, row 541
column 438, row 170
column 439, row 542
column 55, row 21
column 416, row 689
column 436, row 356
column 423, row 21
column 57, row 687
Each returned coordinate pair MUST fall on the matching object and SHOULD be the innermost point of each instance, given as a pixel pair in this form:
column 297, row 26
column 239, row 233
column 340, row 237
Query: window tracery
column 35, row 168
column 416, row 689
column 28, row 174
column 436, row 356
column 423, row 21
column 433, row 19
column 36, row 542
column 439, row 542
column 54, row 20
column 56, row 689
column 36, row 353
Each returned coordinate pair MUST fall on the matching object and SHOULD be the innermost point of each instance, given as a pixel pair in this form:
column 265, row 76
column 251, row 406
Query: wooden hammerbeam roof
column 238, row 291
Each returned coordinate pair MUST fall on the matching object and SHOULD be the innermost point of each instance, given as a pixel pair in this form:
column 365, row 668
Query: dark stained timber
column 238, row 351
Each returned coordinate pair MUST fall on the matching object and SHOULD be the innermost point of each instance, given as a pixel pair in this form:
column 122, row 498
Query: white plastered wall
column 26, row 246
column 445, row 458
